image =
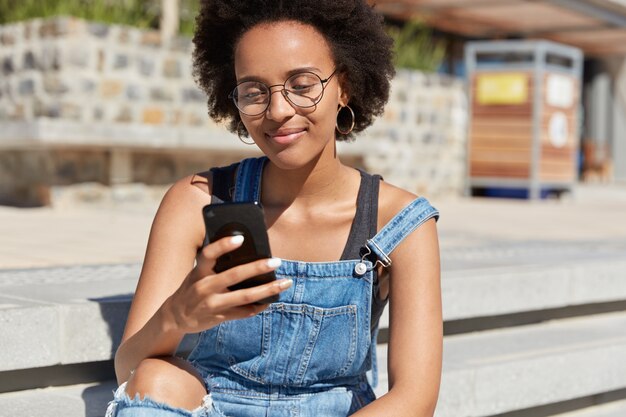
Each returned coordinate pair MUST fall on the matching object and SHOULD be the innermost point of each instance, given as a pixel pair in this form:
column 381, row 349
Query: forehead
column 273, row 49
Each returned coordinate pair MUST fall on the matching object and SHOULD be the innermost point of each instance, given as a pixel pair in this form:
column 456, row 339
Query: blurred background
column 509, row 115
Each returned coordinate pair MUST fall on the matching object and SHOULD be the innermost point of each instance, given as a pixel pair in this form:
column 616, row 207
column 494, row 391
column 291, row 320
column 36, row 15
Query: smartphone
column 231, row 219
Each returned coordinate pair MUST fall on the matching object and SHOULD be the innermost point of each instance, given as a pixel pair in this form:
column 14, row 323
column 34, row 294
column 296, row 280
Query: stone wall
column 67, row 68
column 420, row 142
column 78, row 100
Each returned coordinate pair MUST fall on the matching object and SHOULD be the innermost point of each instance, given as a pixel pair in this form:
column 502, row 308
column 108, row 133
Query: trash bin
column 524, row 127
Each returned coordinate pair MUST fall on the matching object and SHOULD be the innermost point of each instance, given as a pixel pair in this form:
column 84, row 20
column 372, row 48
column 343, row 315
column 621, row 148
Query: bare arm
column 416, row 331
column 169, row 258
column 173, row 297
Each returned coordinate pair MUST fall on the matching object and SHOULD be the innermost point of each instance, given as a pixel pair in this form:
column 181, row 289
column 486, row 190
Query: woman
column 291, row 77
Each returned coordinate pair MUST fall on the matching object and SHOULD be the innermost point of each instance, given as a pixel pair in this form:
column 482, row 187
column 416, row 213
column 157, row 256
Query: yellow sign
column 507, row 88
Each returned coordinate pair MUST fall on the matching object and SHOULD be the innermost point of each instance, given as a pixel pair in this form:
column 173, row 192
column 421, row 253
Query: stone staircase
column 532, row 329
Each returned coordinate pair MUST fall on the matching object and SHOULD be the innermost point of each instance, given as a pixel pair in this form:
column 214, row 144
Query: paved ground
column 117, row 233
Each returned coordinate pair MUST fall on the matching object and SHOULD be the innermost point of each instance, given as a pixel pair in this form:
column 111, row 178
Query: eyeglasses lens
column 302, row 90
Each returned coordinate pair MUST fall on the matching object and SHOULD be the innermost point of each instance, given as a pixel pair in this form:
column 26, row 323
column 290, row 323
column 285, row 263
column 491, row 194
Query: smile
column 285, row 136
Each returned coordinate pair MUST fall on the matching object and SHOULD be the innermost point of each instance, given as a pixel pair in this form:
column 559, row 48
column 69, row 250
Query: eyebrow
column 289, row 74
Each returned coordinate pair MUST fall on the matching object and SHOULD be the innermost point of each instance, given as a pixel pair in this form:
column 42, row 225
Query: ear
column 343, row 89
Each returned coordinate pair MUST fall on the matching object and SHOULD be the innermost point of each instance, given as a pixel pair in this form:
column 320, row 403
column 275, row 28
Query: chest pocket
column 292, row 344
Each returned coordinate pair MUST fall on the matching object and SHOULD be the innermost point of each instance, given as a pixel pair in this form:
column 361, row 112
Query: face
column 270, row 53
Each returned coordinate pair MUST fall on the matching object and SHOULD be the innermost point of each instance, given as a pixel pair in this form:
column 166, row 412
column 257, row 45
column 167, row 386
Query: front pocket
column 310, row 344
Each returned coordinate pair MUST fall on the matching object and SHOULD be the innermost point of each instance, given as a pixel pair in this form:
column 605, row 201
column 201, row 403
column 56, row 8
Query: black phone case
column 230, row 219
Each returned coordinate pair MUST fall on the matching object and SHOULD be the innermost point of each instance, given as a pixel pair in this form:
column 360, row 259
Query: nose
column 279, row 107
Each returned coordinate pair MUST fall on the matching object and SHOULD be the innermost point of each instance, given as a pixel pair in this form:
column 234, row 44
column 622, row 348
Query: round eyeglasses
column 304, row 89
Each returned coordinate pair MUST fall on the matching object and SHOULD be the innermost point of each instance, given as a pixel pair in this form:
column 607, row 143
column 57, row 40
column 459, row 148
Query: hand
column 203, row 300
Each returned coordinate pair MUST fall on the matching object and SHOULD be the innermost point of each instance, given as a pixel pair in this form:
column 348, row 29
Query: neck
column 323, row 178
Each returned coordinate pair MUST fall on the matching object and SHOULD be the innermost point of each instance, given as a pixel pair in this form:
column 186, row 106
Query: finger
column 242, row 272
column 245, row 311
column 214, row 250
column 257, row 293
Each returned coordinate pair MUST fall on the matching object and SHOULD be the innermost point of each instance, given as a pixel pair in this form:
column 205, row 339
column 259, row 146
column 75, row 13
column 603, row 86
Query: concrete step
column 77, row 314
column 66, row 315
column 501, row 277
column 493, row 372
column 84, row 400
column 485, row 374
column 612, row 409
column 504, row 278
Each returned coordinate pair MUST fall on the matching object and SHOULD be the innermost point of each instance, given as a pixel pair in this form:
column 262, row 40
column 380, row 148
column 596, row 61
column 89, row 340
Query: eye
column 251, row 92
column 303, row 83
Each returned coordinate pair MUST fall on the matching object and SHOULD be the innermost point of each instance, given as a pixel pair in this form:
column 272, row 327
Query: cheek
column 324, row 120
column 253, row 126
column 327, row 114
column 251, row 123
column 332, row 118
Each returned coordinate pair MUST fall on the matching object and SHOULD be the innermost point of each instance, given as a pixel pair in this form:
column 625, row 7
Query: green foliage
column 138, row 13
column 414, row 47
column 188, row 11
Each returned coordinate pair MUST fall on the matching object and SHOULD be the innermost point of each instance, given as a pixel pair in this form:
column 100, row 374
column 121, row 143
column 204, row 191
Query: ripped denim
column 123, row 406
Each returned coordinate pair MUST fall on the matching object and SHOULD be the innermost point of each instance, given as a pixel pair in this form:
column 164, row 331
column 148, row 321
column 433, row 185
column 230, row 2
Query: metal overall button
column 360, row 268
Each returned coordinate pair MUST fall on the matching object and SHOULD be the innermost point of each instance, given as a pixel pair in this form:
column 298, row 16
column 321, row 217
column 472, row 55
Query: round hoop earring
column 239, row 134
column 345, row 132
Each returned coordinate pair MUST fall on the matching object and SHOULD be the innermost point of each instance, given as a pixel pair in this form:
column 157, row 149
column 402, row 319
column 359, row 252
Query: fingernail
column 285, row 283
column 274, row 262
column 236, row 240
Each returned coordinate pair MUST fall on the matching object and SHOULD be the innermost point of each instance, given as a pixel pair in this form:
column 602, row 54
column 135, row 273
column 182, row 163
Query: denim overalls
column 307, row 354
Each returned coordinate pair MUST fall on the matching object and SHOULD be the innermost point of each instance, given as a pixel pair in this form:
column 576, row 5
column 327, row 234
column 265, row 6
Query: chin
column 286, row 160
column 291, row 159
column 307, row 151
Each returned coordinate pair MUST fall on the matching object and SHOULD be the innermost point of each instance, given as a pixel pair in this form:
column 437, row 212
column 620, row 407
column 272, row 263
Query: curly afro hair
column 361, row 49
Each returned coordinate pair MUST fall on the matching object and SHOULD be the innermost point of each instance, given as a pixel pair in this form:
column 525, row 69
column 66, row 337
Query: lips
column 285, row 136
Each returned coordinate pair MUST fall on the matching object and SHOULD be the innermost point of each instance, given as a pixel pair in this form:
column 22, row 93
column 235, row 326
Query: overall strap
column 248, row 180
column 399, row 227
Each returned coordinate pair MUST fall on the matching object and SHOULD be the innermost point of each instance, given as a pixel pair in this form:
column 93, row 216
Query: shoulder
column 391, row 201
column 204, row 182
column 180, row 211
column 191, row 189
column 422, row 242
